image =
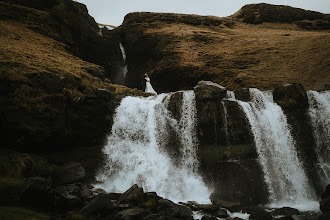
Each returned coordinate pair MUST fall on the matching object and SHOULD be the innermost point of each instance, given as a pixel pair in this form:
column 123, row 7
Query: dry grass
column 261, row 56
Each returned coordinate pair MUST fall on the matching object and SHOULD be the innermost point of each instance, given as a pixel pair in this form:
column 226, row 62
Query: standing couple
column 146, row 85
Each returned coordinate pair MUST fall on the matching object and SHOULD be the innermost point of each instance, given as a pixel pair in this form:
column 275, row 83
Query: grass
column 260, row 56
column 17, row 213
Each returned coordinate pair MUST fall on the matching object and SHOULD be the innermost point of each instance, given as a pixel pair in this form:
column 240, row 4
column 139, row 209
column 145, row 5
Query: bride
column 149, row 88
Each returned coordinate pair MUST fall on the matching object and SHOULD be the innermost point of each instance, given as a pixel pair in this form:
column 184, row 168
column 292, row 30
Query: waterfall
column 123, row 69
column 319, row 113
column 135, row 153
column 284, row 175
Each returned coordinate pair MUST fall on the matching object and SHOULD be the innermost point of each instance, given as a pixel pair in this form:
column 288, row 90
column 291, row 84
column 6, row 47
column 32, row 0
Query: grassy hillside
column 229, row 51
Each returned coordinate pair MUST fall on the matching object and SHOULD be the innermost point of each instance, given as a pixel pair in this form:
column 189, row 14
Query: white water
column 120, row 78
column 284, row 175
column 135, row 154
column 319, row 113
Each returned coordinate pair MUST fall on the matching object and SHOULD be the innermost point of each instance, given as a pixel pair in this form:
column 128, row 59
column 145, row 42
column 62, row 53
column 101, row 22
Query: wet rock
column 100, row 203
column 209, row 90
column 69, row 173
column 285, row 218
column 67, row 197
column 325, row 216
column 243, row 94
column 286, row 211
column 132, row 214
column 132, row 195
column 263, row 215
column 205, row 217
column 221, row 213
column 155, row 217
column 38, row 193
column 290, row 96
column 325, row 202
column 173, row 210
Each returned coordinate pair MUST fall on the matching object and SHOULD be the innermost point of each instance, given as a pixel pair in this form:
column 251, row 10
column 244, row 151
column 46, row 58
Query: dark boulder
column 69, row 197
column 69, row 173
column 325, row 202
column 101, row 203
column 205, row 217
column 290, row 96
column 286, row 211
column 133, row 195
column 132, row 214
column 171, row 209
column 38, row 193
column 209, row 90
column 262, row 215
column 243, row 94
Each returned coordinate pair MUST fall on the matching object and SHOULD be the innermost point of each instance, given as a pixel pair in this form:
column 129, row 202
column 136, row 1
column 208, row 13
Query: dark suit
column 144, row 81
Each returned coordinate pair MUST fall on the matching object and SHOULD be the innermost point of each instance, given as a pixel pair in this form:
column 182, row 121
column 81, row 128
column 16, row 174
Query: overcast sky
column 113, row 11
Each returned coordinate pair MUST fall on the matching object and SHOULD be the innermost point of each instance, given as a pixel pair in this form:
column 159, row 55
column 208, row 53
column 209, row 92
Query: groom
column 144, row 82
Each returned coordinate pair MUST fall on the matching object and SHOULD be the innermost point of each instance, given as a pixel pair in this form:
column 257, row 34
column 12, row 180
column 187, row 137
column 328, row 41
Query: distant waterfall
column 123, row 69
column 285, row 178
column 319, row 113
column 135, row 154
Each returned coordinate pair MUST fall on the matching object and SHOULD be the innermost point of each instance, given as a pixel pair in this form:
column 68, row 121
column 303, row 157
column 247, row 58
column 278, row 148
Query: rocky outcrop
column 259, row 13
column 224, row 135
column 68, row 173
column 294, row 102
column 325, row 204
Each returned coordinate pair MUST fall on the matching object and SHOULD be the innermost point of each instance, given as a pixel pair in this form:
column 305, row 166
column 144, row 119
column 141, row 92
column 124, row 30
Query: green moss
column 211, row 154
column 17, row 213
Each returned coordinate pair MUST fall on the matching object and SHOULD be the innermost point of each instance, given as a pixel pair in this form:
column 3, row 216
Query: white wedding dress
column 149, row 88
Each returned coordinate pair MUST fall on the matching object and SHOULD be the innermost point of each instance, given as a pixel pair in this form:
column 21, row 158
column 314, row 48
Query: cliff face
column 179, row 50
column 50, row 97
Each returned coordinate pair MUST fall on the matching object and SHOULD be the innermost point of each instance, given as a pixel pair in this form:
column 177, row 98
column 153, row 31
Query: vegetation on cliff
column 234, row 51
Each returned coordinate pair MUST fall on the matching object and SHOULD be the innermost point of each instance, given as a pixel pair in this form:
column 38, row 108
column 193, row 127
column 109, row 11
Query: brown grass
column 261, row 56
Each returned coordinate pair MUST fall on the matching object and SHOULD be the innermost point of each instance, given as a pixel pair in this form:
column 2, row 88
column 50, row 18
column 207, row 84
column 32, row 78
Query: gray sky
column 113, row 11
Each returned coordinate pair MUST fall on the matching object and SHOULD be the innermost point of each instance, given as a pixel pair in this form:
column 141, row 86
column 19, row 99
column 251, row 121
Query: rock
column 325, row 205
column 53, row 84
column 243, row 94
column 208, row 208
column 155, row 217
column 290, row 96
column 99, row 203
column 286, row 211
column 67, row 197
column 132, row 214
column 209, row 90
column 223, row 203
column 132, row 195
column 69, row 173
column 285, row 218
column 38, row 193
column 221, row 213
column 326, row 193
column 261, row 216
column 173, row 210
column 205, row 217
column 94, row 71
column 324, row 87
column 325, row 216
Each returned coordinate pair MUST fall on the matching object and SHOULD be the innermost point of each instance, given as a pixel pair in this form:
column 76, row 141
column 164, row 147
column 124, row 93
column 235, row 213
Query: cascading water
column 285, row 178
column 121, row 75
column 135, row 155
column 319, row 113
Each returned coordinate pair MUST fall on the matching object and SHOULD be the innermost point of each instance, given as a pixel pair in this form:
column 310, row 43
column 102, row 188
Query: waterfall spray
column 135, row 155
column 319, row 113
column 285, row 178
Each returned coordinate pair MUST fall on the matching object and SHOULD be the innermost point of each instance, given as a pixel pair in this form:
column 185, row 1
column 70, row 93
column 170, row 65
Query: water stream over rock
column 136, row 155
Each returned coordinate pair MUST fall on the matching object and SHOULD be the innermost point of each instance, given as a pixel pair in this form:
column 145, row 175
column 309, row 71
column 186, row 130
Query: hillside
column 235, row 52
